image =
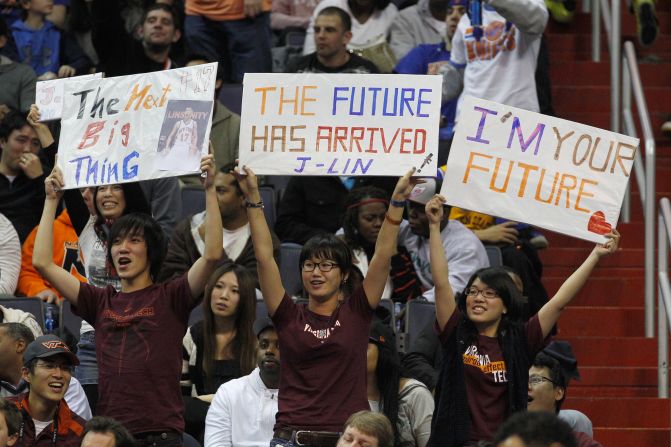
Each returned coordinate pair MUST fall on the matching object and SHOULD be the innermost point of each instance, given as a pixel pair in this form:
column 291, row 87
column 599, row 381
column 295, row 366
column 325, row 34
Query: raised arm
column 551, row 311
column 43, row 253
column 385, row 245
column 201, row 270
column 268, row 271
column 444, row 296
column 41, row 129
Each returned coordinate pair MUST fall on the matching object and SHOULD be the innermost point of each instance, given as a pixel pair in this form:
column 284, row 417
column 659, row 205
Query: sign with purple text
column 49, row 95
column 339, row 124
column 548, row 172
column 136, row 127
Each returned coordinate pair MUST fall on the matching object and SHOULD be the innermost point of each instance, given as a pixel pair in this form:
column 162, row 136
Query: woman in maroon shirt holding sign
column 323, row 344
column 487, row 347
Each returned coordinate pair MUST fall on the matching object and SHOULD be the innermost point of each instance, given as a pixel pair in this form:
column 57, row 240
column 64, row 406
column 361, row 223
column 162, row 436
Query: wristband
column 392, row 221
column 397, row 203
column 249, row 204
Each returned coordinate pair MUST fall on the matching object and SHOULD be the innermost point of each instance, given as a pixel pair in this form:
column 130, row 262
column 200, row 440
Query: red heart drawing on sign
column 597, row 224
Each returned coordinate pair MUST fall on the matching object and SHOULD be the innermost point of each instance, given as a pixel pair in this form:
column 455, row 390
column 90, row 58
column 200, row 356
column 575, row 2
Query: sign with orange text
column 137, row 127
column 339, row 124
column 544, row 171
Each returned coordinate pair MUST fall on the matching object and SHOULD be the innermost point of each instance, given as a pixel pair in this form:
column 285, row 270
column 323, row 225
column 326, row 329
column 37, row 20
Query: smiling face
column 484, row 312
column 159, row 29
column 110, row 201
column 320, row 285
column 369, row 221
column 129, row 255
column 225, row 296
column 543, row 395
column 49, row 379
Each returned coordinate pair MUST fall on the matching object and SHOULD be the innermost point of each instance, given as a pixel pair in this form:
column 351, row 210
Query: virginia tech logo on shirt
column 483, row 363
column 321, row 334
column 495, row 40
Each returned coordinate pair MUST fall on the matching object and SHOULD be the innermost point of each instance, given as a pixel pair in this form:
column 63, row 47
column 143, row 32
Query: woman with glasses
column 323, row 343
column 487, row 346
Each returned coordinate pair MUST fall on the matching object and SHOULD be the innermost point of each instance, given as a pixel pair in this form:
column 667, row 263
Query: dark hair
column 536, row 429
column 12, row 416
column 372, row 424
column 136, row 202
column 345, row 18
column 229, row 168
column 102, row 424
column 557, row 376
column 163, row 7
column 244, row 343
column 201, row 57
column 353, row 201
column 4, row 29
column 14, row 120
column 141, row 224
column 328, row 246
column 18, row 331
column 498, row 279
column 388, row 373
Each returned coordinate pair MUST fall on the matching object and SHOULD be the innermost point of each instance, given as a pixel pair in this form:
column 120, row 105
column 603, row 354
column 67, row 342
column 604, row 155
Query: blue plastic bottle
column 49, row 320
column 475, row 14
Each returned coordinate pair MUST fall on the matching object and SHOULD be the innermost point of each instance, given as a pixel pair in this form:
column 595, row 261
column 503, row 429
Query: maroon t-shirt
column 486, row 376
column 323, row 363
column 139, row 351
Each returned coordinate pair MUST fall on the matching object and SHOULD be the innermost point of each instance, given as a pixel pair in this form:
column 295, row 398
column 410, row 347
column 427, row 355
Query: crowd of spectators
column 304, row 370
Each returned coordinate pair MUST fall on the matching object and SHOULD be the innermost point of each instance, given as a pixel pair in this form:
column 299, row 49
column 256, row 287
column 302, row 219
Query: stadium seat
column 418, row 314
column 269, row 198
column 70, row 321
column 231, row 96
column 289, row 270
column 196, row 315
column 494, row 255
column 193, row 200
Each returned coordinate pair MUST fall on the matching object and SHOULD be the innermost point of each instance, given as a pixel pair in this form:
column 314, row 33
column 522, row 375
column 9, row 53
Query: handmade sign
column 49, row 95
column 339, row 124
column 548, row 172
column 137, row 127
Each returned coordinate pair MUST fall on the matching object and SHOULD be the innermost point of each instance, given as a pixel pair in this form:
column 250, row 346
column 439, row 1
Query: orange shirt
column 221, row 10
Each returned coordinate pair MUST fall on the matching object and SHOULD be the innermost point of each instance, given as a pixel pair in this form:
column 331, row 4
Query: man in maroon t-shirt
column 139, row 330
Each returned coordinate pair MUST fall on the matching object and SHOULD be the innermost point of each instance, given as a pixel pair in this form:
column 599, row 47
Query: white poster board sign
column 339, row 124
column 49, row 95
column 545, row 171
column 137, row 127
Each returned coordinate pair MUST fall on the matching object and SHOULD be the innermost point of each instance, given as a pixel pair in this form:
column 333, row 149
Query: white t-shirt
column 234, row 240
column 501, row 66
column 375, row 30
column 40, row 425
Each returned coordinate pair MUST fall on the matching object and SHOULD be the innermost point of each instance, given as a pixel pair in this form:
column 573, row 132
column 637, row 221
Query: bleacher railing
column 625, row 67
column 664, row 314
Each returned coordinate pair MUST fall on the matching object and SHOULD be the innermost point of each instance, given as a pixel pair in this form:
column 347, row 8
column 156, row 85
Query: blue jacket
column 47, row 48
column 422, row 60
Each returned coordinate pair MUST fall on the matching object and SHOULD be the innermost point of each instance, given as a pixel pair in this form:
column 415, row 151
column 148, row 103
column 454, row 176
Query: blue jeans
column 243, row 46
column 281, row 443
column 87, row 370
